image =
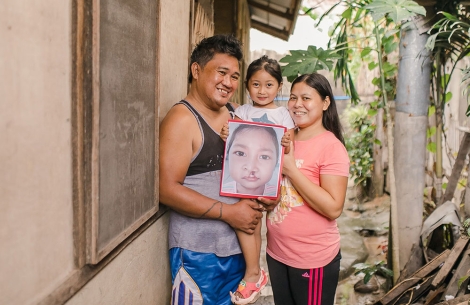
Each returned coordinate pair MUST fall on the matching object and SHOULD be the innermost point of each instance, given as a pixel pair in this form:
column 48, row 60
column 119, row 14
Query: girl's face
column 306, row 106
column 251, row 163
column 263, row 88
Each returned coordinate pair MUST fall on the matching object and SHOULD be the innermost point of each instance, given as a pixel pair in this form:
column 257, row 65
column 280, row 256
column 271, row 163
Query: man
column 205, row 257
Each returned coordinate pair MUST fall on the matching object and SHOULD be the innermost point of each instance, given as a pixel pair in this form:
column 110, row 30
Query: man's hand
column 243, row 215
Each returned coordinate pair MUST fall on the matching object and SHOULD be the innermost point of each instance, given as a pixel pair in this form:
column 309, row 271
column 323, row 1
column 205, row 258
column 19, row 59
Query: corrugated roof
column 274, row 17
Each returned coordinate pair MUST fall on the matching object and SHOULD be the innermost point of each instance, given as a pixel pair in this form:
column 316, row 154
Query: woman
column 303, row 242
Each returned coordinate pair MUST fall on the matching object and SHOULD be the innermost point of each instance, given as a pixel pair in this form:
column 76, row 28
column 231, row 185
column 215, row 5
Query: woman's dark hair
column 208, row 47
column 246, row 127
column 330, row 118
column 267, row 64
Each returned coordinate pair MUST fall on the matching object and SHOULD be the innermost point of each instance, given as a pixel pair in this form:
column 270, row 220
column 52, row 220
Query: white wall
column 36, row 243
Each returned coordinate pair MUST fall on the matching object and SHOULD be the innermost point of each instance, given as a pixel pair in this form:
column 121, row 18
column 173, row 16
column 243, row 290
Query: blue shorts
column 204, row 277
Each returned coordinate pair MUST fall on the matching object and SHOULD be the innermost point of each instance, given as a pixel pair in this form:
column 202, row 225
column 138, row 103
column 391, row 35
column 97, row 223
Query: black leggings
column 292, row 286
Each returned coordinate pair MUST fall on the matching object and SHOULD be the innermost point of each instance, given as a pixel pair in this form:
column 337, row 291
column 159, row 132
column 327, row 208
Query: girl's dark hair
column 267, row 64
column 330, row 118
column 271, row 132
column 208, row 47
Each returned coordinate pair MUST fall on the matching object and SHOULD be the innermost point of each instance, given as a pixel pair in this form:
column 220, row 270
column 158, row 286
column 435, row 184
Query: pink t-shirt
column 297, row 235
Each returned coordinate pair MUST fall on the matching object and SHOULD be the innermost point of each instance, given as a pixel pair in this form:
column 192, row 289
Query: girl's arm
column 326, row 198
column 225, row 132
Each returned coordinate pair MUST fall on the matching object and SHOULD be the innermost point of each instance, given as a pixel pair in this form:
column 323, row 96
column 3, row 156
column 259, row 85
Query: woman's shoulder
column 328, row 140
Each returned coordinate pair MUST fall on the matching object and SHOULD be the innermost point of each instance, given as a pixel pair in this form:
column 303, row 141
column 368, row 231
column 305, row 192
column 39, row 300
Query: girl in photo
column 251, row 164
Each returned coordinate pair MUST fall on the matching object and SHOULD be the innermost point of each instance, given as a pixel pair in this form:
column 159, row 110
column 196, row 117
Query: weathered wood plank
column 464, row 149
column 414, row 293
column 414, row 278
column 450, row 262
column 460, row 271
column 434, row 295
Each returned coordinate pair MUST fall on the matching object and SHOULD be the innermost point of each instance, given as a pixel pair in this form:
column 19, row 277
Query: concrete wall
column 36, row 243
column 35, row 155
column 139, row 275
column 174, row 53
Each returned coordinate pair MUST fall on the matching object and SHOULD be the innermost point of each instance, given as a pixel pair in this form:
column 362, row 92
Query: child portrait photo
column 252, row 160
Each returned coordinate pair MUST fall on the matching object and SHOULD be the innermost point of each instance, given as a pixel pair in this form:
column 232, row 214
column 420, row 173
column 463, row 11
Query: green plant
column 369, row 270
column 359, row 143
column 449, row 43
column 465, row 230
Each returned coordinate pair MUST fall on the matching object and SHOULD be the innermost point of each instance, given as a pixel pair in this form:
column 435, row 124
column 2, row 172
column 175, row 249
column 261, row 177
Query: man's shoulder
column 179, row 116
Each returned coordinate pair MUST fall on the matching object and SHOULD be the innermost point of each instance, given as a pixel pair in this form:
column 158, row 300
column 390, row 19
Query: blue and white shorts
column 204, row 278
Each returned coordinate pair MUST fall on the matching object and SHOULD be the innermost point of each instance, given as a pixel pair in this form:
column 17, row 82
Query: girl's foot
column 248, row 292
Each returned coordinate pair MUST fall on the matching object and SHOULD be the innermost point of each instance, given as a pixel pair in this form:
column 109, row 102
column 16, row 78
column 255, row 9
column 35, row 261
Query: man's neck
column 203, row 107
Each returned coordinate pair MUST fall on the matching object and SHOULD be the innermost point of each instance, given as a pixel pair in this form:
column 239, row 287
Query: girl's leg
column 251, row 247
column 254, row 280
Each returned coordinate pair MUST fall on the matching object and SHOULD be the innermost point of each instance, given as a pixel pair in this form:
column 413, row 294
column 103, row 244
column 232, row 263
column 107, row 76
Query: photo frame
column 253, row 156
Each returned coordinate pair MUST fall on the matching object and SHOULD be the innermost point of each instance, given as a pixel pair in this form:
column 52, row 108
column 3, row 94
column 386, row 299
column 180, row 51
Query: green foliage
column 449, row 41
column 462, row 280
column 396, row 10
column 309, row 61
column 465, row 230
column 431, row 147
column 310, row 12
column 359, row 142
column 430, row 132
column 344, row 45
column 368, row 270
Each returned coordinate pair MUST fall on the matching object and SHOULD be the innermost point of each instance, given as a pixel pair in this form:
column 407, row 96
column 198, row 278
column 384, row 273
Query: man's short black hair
column 208, row 47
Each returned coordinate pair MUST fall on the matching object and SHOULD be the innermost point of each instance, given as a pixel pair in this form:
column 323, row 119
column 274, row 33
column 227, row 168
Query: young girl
column 263, row 82
column 303, row 242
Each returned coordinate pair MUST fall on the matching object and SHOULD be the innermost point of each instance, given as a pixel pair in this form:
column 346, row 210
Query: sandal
column 249, row 291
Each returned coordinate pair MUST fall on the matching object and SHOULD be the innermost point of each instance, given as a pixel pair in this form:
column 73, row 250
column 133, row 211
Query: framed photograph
column 252, row 160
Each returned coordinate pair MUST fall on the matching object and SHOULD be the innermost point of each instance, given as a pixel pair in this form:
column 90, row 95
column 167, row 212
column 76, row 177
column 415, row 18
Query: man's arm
column 179, row 139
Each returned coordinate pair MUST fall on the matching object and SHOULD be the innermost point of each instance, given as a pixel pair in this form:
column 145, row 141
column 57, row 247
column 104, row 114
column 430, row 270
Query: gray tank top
column 204, row 174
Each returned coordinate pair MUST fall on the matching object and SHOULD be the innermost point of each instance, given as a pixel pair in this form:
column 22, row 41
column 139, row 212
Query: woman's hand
column 288, row 165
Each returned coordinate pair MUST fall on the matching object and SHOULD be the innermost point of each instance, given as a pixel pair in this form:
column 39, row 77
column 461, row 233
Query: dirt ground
column 376, row 243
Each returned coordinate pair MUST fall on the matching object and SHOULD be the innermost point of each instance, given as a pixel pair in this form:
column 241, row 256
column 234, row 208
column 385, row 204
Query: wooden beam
column 414, row 278
column 460, row 272
column 271, row 10
column 414, row 293
column 434, row 295
column 282, row 34
column 464, row 149
column 450, row 262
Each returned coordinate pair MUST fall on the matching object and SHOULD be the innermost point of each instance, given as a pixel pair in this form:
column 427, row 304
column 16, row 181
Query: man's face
column 218, row 80
column 252, row 162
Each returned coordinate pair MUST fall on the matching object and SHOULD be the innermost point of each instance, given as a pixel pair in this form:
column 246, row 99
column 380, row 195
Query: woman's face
column 252, row 162
column 306, row 106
